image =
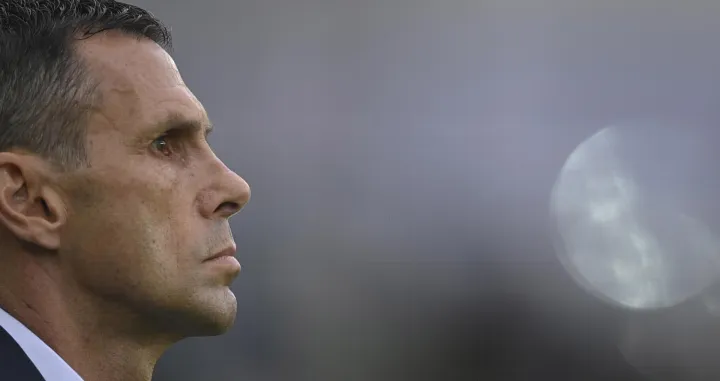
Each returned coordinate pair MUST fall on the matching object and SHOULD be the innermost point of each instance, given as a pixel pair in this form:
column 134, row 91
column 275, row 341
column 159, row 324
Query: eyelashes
column 163, row 145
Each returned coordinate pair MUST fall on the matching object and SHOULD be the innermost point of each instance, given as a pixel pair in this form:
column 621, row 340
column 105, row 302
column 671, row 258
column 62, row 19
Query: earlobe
column 29, row 208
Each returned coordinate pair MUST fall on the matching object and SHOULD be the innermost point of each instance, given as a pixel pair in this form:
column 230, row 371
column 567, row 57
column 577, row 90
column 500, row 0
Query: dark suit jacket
column 14, row 363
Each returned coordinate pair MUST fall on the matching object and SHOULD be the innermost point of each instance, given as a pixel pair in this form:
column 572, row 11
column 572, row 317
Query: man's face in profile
column 154, row 203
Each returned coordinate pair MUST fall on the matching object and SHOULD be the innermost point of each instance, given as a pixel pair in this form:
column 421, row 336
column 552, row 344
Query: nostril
column 228, row 208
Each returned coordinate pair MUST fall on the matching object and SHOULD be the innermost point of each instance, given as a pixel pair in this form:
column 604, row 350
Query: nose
column 227, row 195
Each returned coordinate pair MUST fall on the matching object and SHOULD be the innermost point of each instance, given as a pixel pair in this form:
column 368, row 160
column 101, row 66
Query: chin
column 210, row 316
column 219, row 315
column 212, row 327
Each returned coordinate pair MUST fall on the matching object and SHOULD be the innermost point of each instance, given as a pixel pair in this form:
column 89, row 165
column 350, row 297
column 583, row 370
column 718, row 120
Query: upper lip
column 227, row 252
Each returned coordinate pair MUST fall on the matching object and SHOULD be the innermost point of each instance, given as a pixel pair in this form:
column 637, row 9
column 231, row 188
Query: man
column 114, row 233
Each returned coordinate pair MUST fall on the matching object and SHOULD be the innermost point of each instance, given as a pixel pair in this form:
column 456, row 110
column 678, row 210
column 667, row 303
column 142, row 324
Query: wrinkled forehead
column 137, row 82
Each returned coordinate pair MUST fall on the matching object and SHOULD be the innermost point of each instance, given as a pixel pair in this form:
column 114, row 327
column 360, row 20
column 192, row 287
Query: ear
column 29, row 206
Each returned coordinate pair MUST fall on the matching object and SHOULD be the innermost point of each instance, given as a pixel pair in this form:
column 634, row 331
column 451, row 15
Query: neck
column 97, row 339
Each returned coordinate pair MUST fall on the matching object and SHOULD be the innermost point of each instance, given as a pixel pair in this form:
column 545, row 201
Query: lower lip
column 225, row 261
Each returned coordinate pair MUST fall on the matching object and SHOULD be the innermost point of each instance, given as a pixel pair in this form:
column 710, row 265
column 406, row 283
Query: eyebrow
column 178, row 122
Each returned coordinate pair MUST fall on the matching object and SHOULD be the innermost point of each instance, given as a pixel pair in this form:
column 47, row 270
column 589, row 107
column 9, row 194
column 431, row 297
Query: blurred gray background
column 401, row 155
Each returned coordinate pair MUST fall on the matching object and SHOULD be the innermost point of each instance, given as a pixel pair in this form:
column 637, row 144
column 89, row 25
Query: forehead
column 138, row 84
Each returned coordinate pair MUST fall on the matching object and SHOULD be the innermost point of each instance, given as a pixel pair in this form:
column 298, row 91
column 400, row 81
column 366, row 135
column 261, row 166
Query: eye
column 162, row 145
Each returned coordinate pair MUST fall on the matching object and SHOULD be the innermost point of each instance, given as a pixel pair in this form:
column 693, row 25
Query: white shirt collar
column 51, row 366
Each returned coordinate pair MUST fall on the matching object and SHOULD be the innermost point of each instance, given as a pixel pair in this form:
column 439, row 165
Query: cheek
column 125, row 246
column 108, row 250
column 132, row 227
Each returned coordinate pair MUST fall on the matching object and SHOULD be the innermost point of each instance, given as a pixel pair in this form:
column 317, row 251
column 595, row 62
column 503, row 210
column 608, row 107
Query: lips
column 227, row 252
